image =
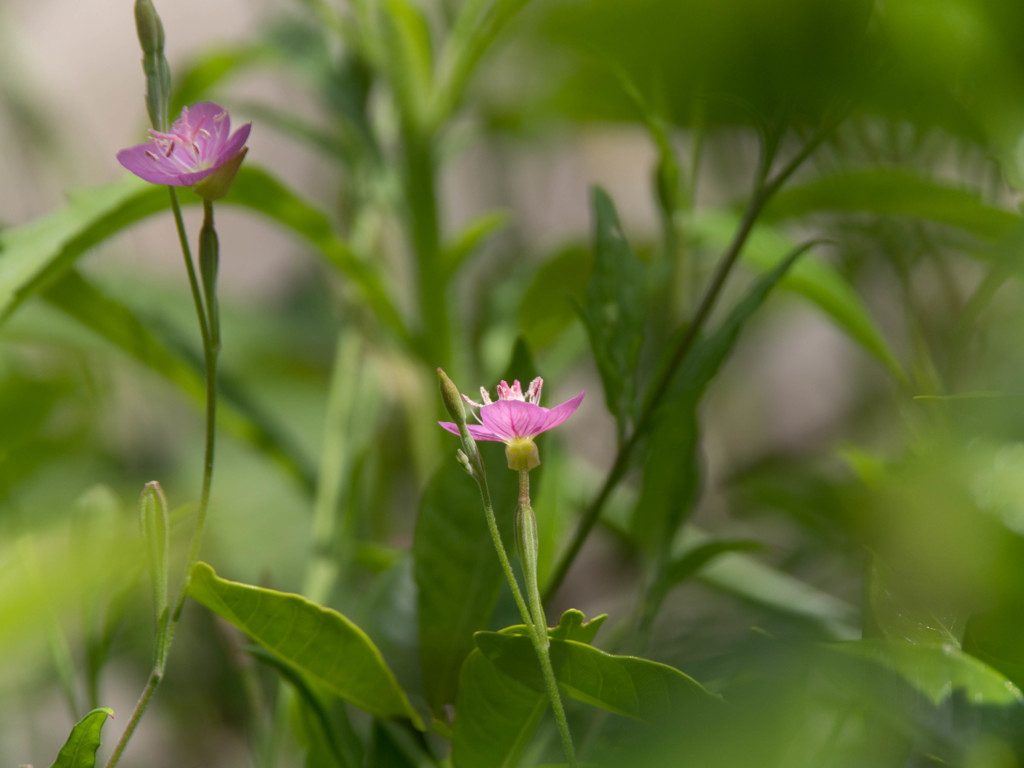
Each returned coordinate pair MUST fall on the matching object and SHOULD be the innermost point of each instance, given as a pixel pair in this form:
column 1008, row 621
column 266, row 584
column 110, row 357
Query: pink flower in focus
column 515, row 419
column 199, row 144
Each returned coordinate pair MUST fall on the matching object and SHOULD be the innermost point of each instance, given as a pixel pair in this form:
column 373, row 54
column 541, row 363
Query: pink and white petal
column 207, row 114
column 233, row 145
column 478, row 432
column 555, row 416
column 510, row 419
column 146, row 162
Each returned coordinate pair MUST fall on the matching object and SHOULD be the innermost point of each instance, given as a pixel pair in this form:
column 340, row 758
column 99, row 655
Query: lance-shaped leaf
column 79, row 751
column 614, row 309
column 626, row 685
column 320, row 643
column 671, row 472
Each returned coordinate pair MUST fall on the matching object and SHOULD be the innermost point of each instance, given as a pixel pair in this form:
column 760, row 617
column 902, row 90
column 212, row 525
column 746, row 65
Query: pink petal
column 510, row 419
column 478, row 432
column 233, row 146
column 560, row 413
column 146, row 162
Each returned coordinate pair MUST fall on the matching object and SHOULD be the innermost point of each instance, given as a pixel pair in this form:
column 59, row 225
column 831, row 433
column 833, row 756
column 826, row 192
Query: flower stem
column 208, row 321
column 538, row 626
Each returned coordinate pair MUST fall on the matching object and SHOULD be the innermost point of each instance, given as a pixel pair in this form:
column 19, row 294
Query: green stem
column 538, row 625
column 207, row 326
column 764, row 190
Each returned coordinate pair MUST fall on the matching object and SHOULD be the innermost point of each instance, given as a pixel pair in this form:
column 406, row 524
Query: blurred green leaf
column 668, row 489
column 894, row 192
column 812, row 278
column 691, row 562
column 73, row 295
column 614, row 309
column 79, row 751
column 323, row 645
column 625, row 685
column 36, row 252
column 897, row 613
column 472, row 236
column 550, row 300
column 495, row 716
column 935, row 670
column 194, row 80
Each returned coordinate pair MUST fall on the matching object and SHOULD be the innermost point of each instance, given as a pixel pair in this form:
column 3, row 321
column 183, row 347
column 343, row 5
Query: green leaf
column 495, row 716
column 194, row 81
column 813, row 279
column 328, row 649
column 550, row 300
column 671, row 473
column 894, row 192
column 571, row 626
column 473, row 236
column 935, row 670
column 73, row 295
column 35, row 253
column 79, row 751
column 696, row 558
column 614, row 309
column 626, row 685
column 456, row 569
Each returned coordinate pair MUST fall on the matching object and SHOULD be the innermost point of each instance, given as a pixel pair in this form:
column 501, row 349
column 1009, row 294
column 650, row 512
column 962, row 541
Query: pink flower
column 516, row 419
column 199, row 145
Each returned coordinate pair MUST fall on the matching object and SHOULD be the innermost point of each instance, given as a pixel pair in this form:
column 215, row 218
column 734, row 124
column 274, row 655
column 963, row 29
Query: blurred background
column 860, row 450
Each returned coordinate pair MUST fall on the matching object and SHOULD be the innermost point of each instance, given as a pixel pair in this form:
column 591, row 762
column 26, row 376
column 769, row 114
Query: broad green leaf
column 894, row 612
column 812, row 278
column 671, row 474
column 324, row 646
column 79, row 751
column 495, row 715
column 614, row 309
column 73, row 295
column 894, row 192
column 935, row 670
column 626, row 685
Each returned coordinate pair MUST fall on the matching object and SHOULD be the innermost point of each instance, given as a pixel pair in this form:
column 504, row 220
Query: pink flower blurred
column 515, row 417
column 198, row 145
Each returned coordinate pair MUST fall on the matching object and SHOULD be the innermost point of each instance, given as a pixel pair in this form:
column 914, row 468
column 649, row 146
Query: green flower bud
column 153, row 522
column 149, row 28
column 452, row 400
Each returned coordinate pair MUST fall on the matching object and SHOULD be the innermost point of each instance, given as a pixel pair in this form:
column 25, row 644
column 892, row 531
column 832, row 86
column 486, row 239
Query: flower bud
column 452, row 400
column 522, row 454
column 149, row 28
column 153, row 522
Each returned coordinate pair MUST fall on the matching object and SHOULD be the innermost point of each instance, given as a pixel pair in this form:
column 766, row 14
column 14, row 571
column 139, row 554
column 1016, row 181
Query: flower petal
column 560, row 413
column 233, row 145
column 510, row 419
column 146, row 162
column 478, row 432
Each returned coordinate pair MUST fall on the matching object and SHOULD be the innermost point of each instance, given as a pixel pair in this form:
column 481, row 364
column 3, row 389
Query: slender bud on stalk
column 149, row 28
column 209, row 264
column 452, row 400
column 153, row 522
